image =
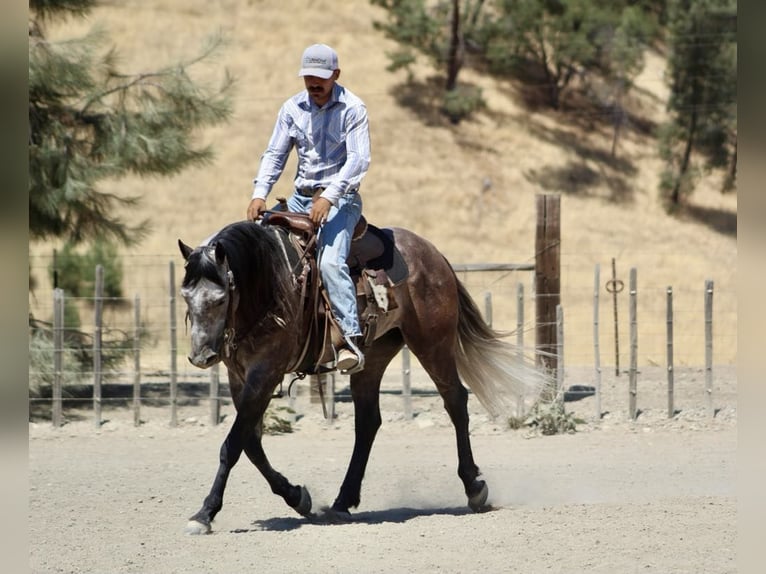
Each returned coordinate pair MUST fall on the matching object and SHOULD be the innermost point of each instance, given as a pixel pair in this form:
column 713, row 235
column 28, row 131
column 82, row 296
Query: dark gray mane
column 257, row 262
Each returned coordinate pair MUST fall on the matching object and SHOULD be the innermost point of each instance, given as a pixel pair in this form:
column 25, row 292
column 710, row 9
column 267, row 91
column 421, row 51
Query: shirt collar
column 335, row 97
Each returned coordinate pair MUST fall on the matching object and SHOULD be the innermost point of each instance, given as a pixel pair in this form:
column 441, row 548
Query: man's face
column 320, row 89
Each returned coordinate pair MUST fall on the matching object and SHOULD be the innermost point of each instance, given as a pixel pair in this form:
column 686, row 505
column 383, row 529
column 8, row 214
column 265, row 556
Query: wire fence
column 144, row 336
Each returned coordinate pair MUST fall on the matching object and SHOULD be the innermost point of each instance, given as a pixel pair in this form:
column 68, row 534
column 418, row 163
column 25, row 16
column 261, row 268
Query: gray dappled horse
column 244, row 305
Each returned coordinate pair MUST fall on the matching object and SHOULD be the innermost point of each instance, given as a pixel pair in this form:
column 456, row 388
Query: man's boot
column 350, row 358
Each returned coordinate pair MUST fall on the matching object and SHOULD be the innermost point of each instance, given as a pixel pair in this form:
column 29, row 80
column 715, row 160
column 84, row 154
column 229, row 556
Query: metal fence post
column 215, row 402
column 488, row 308
column 709, row 345
column 406, row 383
column 520, row 406
column 58, row 359
column 632, row 400
column 137, row 361
column 669, row 329
column 97, row 340
column 596, row 346
column 173, row 350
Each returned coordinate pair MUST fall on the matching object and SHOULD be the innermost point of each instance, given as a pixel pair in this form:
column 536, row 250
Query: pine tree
column 90, row 122
column 702, row 104
column 439, row 31
column 554, row 42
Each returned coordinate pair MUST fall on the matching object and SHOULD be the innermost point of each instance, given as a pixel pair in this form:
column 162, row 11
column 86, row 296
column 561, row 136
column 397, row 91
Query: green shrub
column 77, row 271
column 548, row 419
column 462, row 102
column 275, row 423
column 77, row 353
column 41, row 362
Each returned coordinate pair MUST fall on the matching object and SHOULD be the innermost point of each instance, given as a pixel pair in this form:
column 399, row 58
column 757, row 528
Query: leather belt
column 312, row 191
column 308, row 191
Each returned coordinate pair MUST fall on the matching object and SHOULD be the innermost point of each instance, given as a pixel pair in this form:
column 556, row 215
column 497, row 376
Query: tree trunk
column 453, row 57
column 675, row 196
column 551, row 82
column 731, row 176
column 474, row 19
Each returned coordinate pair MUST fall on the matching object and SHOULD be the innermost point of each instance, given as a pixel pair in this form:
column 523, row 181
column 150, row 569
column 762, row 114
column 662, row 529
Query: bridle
column 229, row 331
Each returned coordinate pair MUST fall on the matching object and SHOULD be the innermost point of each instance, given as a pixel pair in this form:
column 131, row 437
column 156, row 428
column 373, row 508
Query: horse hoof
column 304, row 506
column 194, row 527
column 478, row 502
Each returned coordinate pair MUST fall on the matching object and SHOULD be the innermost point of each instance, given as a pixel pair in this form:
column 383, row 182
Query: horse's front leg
column 295, row 496
column 254, row 401
column 231, row 449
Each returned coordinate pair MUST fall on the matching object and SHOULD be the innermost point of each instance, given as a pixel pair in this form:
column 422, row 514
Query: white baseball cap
column 318, row 60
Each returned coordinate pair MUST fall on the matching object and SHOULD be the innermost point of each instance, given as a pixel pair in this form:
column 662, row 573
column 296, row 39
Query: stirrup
column 354, row 357
column 347, row 360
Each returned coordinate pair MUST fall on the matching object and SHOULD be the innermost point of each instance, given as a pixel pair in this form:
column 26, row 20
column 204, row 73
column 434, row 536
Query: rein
column 230, row 335
column 304, row 265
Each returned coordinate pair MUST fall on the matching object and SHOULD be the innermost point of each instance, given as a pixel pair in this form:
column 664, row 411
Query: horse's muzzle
column 205, row 358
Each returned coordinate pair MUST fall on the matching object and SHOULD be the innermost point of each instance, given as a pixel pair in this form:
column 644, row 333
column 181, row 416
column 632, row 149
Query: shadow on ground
column 391, row 515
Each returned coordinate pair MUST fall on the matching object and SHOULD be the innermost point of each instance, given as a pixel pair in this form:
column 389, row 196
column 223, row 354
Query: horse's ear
column 185, row 249
column 220, row 254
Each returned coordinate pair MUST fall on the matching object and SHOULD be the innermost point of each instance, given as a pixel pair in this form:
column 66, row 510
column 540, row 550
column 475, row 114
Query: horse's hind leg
column 442, row 369
column 231, row 449
column 365, row 391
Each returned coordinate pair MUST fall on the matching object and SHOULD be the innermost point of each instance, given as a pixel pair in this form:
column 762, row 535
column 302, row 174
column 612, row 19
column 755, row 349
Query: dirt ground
column 650, row 495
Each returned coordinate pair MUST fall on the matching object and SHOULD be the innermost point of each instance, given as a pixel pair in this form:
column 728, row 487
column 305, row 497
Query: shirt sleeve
column 357, row 154
column 275, row 157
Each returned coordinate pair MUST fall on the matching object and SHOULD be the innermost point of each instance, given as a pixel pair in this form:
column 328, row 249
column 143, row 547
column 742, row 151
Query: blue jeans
column 333, row 246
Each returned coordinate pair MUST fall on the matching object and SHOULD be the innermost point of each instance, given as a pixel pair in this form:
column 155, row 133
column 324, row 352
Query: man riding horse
column 327, row 125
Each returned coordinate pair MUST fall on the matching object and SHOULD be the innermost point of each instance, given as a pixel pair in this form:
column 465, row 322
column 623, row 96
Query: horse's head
column 210, row 295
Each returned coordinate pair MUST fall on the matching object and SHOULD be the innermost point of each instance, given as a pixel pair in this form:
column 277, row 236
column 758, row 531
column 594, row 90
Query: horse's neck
column 289, row 252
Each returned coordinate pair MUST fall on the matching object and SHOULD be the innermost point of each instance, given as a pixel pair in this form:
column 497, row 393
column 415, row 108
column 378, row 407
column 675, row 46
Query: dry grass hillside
column 428, row 175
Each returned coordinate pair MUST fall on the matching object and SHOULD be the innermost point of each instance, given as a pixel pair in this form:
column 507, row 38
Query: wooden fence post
column 633, row 393
column 547, row 278
column 669, row 321
column 560, row 355
column 58, row 358
column 596, row 346
column 137, row 361
column 709, row 345
column 97, row 340
column 173, row 350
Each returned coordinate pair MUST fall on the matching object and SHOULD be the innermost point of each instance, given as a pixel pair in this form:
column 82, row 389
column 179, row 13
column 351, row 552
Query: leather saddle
column 376, row 267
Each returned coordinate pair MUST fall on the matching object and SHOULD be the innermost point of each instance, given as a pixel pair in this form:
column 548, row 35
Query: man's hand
column 256, row 207
column 320, row 210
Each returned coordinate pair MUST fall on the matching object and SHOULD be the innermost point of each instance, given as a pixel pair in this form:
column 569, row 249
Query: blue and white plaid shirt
column 333, row 144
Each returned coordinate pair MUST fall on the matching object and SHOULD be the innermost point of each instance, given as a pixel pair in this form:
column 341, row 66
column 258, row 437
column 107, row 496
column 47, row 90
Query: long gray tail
column 498, row 372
